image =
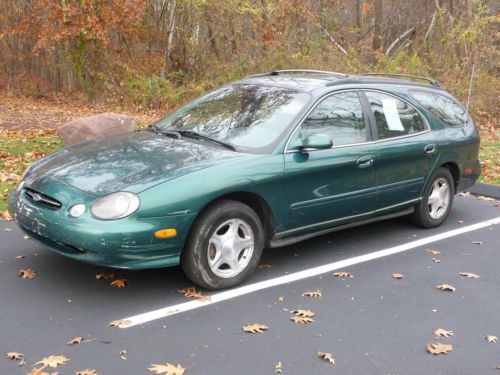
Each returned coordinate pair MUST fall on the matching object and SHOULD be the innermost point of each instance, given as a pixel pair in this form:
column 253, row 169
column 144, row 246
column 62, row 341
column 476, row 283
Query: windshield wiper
column 158, row 130
column 191, row 134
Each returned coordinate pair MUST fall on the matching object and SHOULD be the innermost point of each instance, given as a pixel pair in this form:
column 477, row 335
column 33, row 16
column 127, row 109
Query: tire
column 224, row 246
column 436, row 202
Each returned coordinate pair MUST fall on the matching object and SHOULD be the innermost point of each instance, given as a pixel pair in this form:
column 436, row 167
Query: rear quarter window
column 442, row 107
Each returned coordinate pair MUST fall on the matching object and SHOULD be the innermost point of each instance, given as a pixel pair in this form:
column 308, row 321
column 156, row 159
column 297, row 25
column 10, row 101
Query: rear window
column 394, row 117
column 443, row 107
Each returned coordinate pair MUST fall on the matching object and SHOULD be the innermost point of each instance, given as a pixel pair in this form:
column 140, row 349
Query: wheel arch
column 455, row 173
column 257, row 203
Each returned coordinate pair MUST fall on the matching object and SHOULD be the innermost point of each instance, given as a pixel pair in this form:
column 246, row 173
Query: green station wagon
column 266, row 161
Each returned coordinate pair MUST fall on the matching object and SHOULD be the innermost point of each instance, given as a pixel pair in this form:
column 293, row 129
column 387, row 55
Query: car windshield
column 249, row 117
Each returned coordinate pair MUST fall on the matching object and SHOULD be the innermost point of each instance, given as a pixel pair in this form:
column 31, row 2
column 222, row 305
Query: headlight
column 115, row 206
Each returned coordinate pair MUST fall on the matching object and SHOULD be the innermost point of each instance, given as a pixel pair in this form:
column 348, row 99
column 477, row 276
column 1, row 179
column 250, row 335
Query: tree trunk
column 468, row 10
column 170, row 39
column 359, row 17
column 377, row 31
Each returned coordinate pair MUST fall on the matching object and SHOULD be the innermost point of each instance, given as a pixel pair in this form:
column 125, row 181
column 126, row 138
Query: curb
column 487, row 190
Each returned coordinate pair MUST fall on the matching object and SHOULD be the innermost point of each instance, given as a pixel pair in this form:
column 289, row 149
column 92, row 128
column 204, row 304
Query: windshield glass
column 250, row 117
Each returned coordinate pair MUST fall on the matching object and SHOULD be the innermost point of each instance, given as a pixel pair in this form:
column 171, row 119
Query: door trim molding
column 277, row 242
column 345, row 218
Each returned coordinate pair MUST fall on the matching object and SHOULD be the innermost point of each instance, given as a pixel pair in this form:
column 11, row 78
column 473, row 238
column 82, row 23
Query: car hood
column 127, row 162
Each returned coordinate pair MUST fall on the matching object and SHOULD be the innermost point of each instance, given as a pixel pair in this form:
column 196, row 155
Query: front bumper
column 124, row 243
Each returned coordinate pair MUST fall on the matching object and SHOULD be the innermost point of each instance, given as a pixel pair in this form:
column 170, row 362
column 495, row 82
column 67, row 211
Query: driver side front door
column 334, row 185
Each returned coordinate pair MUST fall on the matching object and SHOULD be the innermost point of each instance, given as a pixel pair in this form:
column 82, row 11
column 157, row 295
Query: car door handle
column 365, row 161
column 429, row 149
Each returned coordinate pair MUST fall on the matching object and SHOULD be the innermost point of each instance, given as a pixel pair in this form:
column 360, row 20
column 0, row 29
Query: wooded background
column 157, row 53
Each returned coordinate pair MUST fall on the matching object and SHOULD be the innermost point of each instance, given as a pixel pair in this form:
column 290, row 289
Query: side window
column 340, row 116
column 444, row 108
column 394, row 117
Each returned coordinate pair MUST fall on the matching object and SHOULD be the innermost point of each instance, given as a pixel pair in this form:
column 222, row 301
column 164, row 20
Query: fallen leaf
column 119, row 283
column 301, row 320
column 40, row 371
column 433, row 251
column 255, row 328
column 21, row 257
column 191, row 292
column 446, row 287
column 262, row 266
column 27, row 238
column 53, row 361
column 342, row 274
column 105, row 276
column 5, row 215
column 27, row 274
column 439, row 348
column 443, row 333
column 167, row 369
column 469, row 275
column 327, row 357
column 14, row 355
column 477, row 242
column 398, row 276
column 483, row 198
column 75, row 340
column 492, row 339
column 436, row 260
column 87, row 372
column 312, row 293
column 278, row 368
column 122, row 323
column 304, row 313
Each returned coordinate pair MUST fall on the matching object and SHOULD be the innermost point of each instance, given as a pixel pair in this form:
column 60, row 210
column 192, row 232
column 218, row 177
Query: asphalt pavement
column 371, row 322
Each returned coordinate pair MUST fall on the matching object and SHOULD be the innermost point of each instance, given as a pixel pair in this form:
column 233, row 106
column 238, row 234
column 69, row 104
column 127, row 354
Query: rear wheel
column 436, row 202
column 224, row 246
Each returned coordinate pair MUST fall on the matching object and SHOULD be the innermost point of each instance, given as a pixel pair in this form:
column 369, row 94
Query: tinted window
column 394, row 117
column 248, row 116
column 444, row 108
column 340, row 116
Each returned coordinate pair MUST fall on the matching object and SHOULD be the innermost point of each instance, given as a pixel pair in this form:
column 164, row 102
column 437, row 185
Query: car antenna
column 468, row 95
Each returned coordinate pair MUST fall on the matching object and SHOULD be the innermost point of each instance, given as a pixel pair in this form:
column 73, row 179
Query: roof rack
column 277, row 72
column 431, row 81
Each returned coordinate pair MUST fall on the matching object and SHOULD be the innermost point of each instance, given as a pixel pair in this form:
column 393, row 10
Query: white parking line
column 315, row 271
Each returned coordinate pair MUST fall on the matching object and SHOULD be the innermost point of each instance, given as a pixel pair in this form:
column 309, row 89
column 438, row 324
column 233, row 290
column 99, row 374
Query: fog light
column 166, row 233
column 77, row 210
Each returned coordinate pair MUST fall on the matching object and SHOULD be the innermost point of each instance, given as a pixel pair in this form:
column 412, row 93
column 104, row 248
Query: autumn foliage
column 156, row 53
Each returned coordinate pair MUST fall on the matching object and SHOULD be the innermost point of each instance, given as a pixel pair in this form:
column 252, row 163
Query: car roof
column 310, row 80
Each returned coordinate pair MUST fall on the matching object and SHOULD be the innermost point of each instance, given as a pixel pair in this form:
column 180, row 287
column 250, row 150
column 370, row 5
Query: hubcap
column 439, row 198
column 230, row 248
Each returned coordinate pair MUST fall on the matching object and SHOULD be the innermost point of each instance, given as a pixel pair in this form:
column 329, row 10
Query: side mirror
column 317, row 141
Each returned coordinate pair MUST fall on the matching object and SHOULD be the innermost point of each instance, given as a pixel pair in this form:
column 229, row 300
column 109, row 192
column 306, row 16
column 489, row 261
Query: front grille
column 42, row 199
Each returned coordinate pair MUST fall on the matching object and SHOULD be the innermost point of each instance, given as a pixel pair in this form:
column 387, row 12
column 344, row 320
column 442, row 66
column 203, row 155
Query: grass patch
column 18, row 149
column 489, row 154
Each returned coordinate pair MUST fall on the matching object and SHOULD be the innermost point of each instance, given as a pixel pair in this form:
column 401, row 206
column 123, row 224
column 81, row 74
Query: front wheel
column 224, row 246
column 436, row 202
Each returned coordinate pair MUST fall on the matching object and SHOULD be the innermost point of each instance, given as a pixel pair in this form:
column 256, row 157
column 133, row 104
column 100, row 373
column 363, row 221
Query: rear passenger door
column 407, row 150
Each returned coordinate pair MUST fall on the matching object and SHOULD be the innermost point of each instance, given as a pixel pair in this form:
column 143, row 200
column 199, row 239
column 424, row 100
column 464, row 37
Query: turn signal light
column 166, row 233
column 468, row 171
